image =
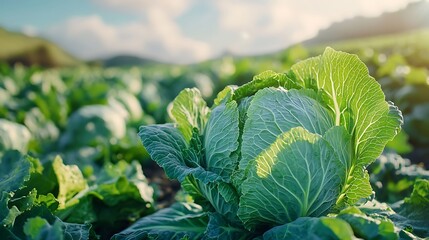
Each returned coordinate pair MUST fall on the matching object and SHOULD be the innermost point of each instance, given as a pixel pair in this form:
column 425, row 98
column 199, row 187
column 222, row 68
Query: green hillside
column 412, row 17
column 412, row 45
column 17, row 47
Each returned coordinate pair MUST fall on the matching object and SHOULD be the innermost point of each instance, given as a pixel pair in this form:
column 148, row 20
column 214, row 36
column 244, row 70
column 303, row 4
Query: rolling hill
column 20, row 48
column 127, row 61
column 414, row 16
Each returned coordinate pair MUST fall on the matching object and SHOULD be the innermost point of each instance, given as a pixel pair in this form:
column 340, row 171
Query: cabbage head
column 281, row 147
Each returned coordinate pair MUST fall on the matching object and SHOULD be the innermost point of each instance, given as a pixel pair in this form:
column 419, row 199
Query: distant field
column 410, row 44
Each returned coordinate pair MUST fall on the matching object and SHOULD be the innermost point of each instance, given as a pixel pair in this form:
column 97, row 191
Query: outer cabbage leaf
column 312, row 228
column 238, row 176
column 221, row 140
column 225, row 95
column 355, row 98
column 340, row 140
column 220, row 228
column 167, row 146
column 74, row 231
column 357, row 187
column 38, row 228
column 189, row 110
column 367, row 227
column 176, row 222
column 263, row 80
column 358, row 104
column 300, row 174
column 219, row 197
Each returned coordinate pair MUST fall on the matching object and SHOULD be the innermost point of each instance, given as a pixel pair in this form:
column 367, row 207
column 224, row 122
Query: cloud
column 142, row 7
column 267, row 26
column 29, row 30
column 273, row 24
column 157, row 37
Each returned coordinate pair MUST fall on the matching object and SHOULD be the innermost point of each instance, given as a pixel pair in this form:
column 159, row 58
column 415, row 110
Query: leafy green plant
column 13, row 136
column 392, row 177
column 55, row 201
column 285, row 151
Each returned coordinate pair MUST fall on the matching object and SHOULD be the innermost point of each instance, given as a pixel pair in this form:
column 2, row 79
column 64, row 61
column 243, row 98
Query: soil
column 165, row 188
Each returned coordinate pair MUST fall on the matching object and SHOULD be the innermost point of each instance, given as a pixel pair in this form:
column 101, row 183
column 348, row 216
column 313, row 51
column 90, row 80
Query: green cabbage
column 284, row 147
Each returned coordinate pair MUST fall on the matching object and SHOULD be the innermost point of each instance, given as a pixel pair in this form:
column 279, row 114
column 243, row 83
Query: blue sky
column 180, row 31
column 43, row 13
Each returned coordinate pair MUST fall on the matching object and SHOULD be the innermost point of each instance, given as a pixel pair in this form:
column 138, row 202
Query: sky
column 180, row 31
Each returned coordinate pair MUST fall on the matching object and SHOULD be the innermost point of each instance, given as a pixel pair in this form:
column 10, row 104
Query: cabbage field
column 308, row 143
